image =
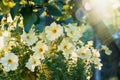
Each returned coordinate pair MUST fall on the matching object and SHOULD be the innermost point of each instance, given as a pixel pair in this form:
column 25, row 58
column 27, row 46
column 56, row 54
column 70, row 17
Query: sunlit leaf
column 54, row 11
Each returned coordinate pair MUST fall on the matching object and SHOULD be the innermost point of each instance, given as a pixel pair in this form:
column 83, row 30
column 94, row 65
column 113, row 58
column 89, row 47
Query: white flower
column 4, row 39
column 39, row 55
column 95, row 60
column 73, row 32
column 66, row 46
column 9, row 61
column 74, row 56
column 80, row 43
column 107, row 51
column 29, row 38
column 9, row 18
column 95, row 53
column 84, row 53
column 104, row 47
column 99, row 66
column 90, row 44
column 53, row 31
column 1, row 43
column 42, row 36
column 40, row 47
column 6, row 33
column 32, row 63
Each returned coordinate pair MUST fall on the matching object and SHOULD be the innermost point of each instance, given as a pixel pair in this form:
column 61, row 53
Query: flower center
column 9, row 60
column 72, row 32
column 83, row 53
column 65, row 47
column 40, row 49
column 54, row 31
column 34, row 62
column 28, row 37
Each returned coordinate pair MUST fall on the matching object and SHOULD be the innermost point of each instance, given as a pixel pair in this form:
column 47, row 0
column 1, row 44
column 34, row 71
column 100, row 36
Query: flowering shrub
column 56, row 53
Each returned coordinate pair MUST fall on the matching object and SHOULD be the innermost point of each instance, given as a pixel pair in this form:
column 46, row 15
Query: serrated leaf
column 54, row 11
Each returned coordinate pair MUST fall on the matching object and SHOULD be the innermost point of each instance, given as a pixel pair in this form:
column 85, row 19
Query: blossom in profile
column 84, row 53
column 107, row 50
column 73, row 32
column 1, row 43
column 32, row 63
column 53, row 31
column 29, row 38
column 9, row 61
column 4, row 39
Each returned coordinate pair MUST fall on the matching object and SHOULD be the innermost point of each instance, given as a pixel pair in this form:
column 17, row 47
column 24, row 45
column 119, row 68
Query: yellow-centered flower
column 53, row 31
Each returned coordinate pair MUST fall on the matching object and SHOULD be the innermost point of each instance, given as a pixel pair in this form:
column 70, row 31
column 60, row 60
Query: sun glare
column 107, row 10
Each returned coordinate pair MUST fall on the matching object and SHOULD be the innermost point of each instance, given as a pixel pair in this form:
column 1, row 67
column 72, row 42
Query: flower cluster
column 54, row 40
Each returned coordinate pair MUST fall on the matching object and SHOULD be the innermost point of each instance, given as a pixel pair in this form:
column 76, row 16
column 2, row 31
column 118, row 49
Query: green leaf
column 1, row 16
column 29, row 18
column 16, row 1
column 45, row 1
column 14, row 11
column 26, row 10
column 54, row 11
column 38, row 2
column 41, row 25
column 41, row 11
column 38, row 18
column 38, row 13
column 42, row 77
